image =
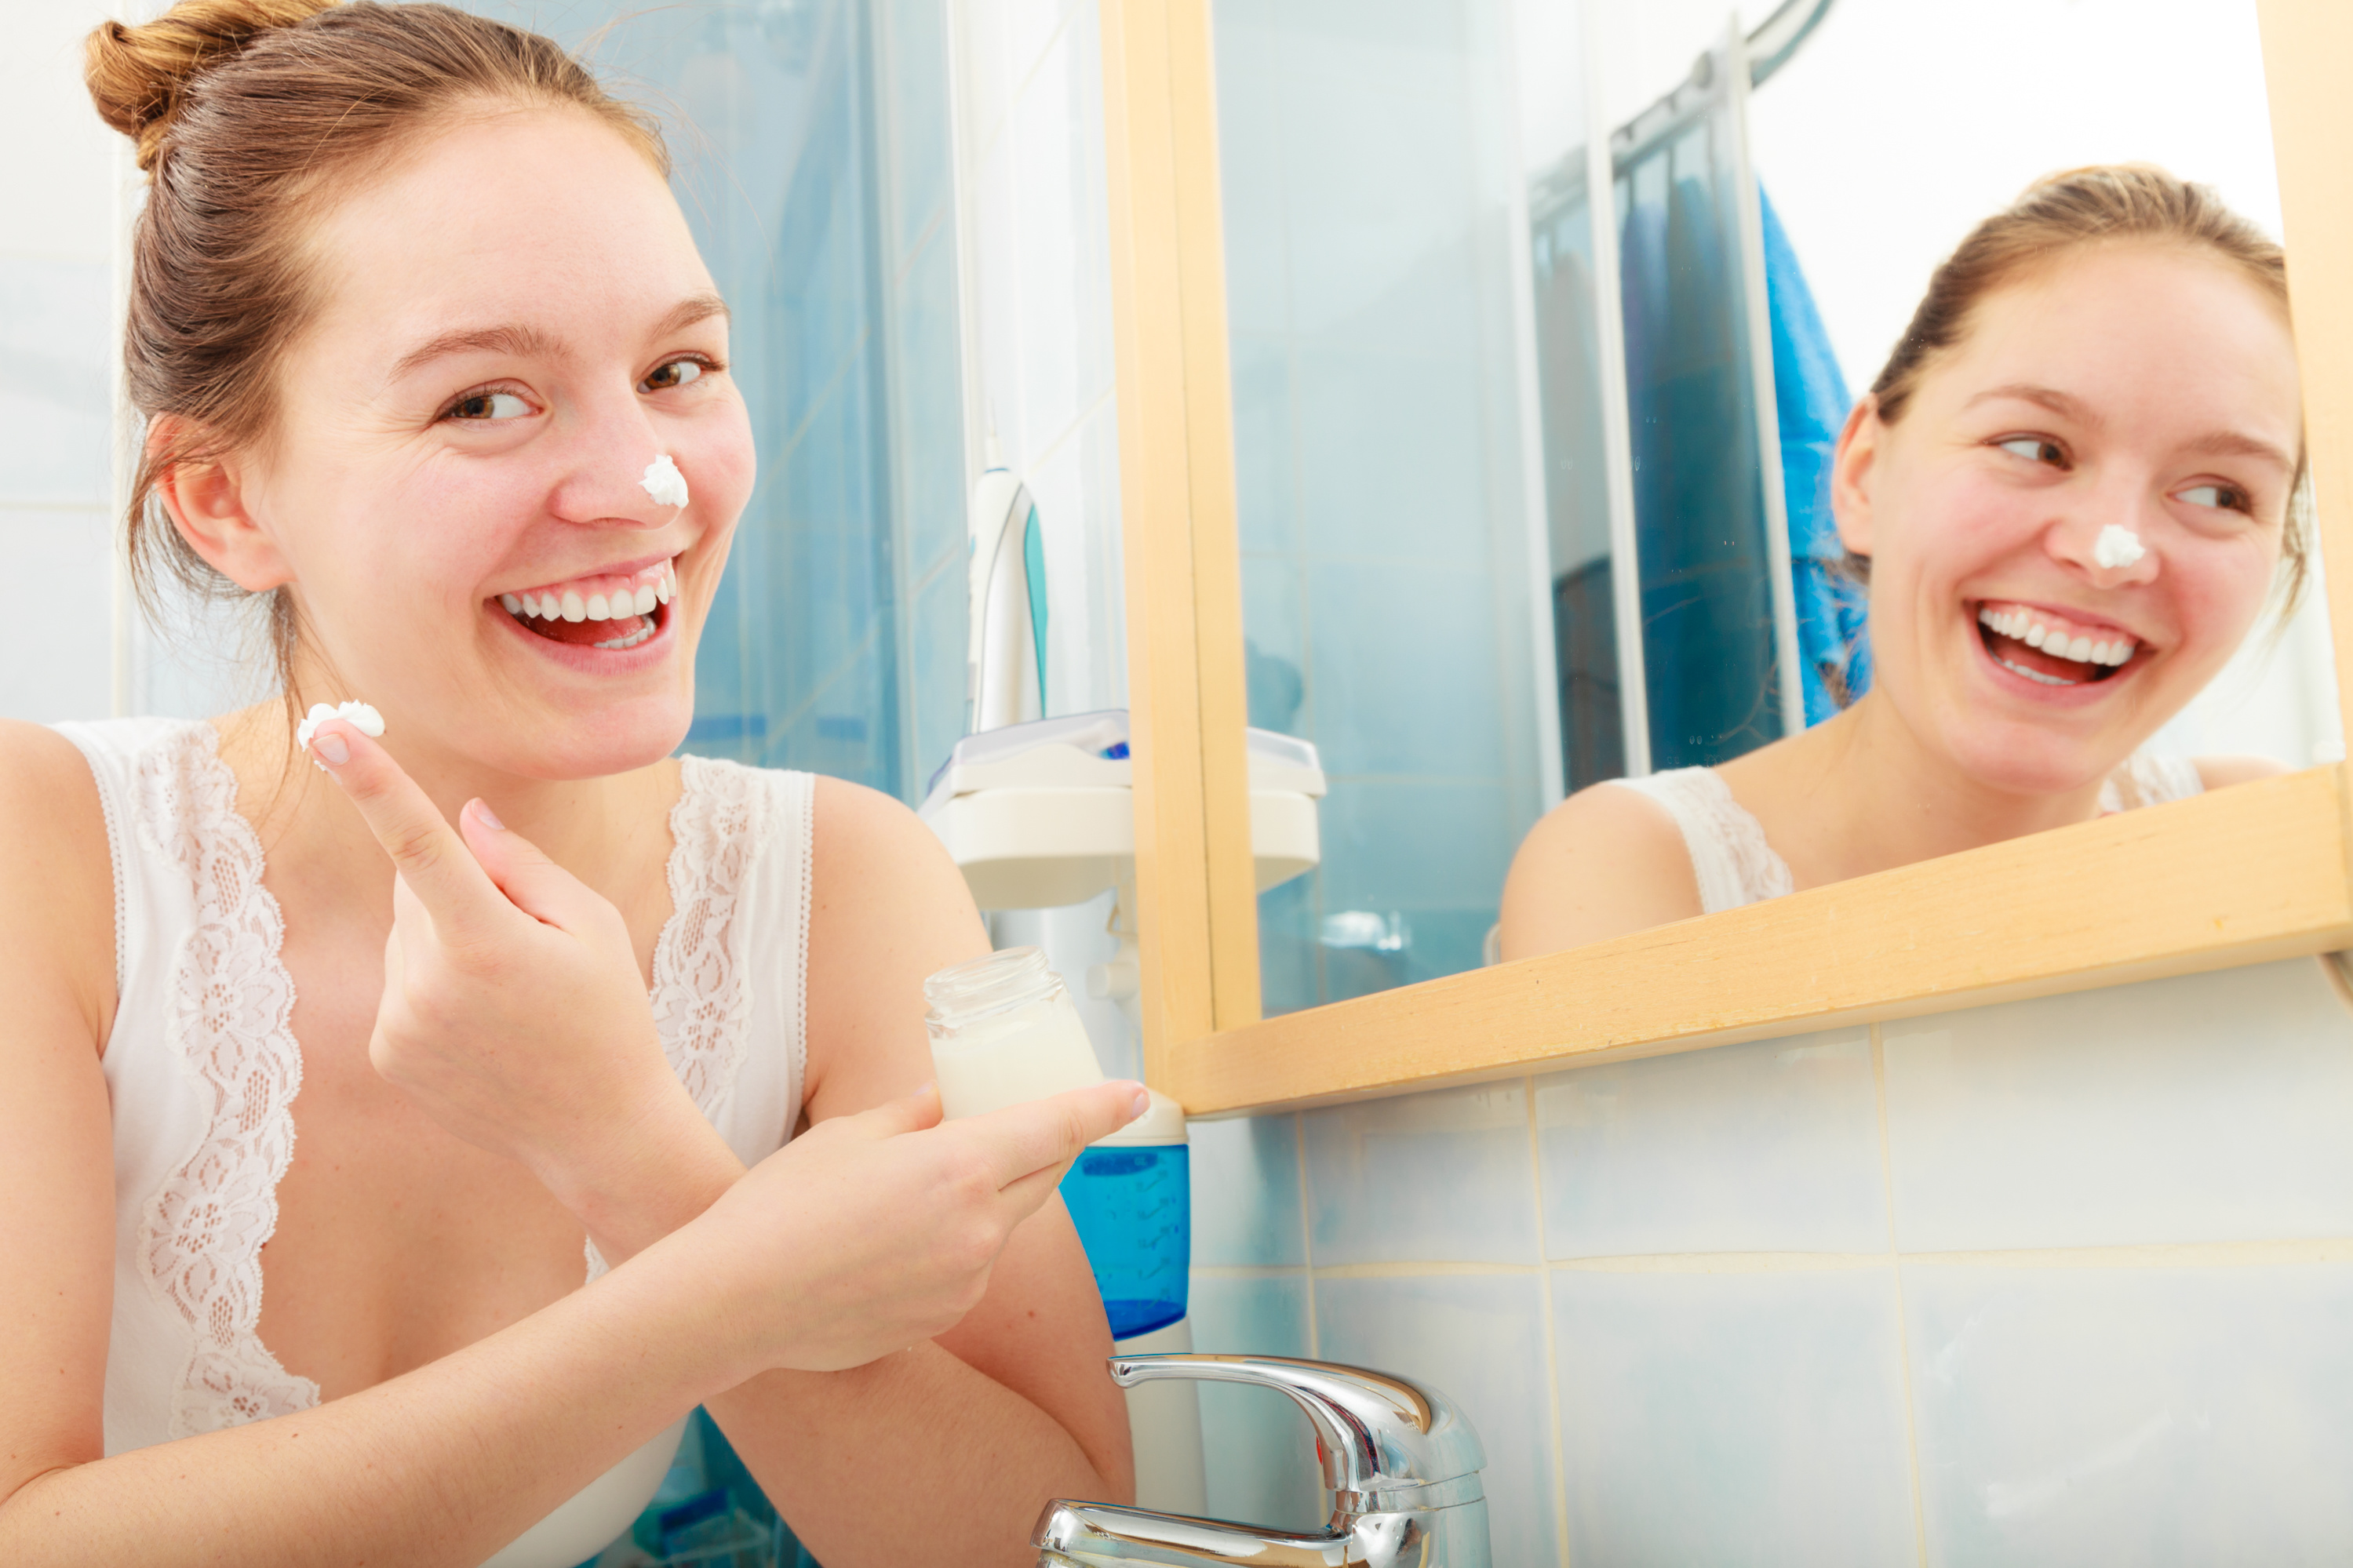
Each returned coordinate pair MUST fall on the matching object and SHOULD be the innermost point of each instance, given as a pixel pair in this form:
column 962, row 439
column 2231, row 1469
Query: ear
column 1853, row 467
column 209, row 501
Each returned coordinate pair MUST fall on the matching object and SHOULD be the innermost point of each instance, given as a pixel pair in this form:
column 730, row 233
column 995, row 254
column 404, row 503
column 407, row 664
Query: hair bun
column 139, row 76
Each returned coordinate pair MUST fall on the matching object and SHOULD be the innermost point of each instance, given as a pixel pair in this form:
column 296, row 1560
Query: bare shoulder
column 1606, row 861
column 2222, row 772
column 887, row 908
column 57, row 871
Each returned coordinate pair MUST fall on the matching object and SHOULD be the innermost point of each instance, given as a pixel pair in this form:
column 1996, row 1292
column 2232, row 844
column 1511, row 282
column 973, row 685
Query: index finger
column 1047, row 1135
column 425, row 850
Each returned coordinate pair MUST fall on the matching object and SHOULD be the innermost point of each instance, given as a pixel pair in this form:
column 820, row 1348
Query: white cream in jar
column 1004, row 1030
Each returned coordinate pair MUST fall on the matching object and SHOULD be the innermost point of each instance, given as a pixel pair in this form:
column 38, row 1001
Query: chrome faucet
column 1401, row 1463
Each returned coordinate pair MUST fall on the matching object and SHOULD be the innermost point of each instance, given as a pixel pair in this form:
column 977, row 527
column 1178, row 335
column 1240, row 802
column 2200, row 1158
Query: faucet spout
column 1092, row 1534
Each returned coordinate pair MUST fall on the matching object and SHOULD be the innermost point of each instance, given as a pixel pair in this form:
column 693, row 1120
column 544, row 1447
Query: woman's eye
column 488, row 405
column 677, row 372
column 2034, row 448
column 2228, row 498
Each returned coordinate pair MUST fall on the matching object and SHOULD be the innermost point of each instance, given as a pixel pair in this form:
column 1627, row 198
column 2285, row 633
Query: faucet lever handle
column 1383, row 1438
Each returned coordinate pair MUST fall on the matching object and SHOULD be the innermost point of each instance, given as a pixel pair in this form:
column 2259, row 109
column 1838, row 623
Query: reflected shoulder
column 1604, row 862
column 2220, row 773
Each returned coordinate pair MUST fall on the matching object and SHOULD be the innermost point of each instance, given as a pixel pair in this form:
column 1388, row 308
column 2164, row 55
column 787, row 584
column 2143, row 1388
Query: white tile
column 1754, row 1418
column 55, row 655
column 1767, row 1147
column 1246, row 1202
column 59, row 186
column 2152, row 1417
column 1479, row 1339
column 1062, row 205
column 1259, row 1450
column 56, row 408
column 2208, row 1108
column 1442, row 1176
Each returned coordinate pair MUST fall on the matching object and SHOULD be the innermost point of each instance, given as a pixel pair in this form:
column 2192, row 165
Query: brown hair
column 2113, row 202
column 250, row 118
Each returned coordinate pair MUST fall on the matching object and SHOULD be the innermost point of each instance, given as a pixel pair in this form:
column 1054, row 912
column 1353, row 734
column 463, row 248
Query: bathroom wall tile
column 1442, row 1176
column 914, row 36
column 1274, row 620
column 1390, row 444
column 1435, row 854
column 1062, row 205
column 1266, row 477
column 1246, row 1199
column 60, row 184
column 1767, row 1147
column 56, row 407
column 2145, row 1416
column 2208, row 1108
column 1740, row 1417
column 61, row 639
column 1254, row 104
column 1257, row 1448
column 1404, row 659
column 1481, row 1339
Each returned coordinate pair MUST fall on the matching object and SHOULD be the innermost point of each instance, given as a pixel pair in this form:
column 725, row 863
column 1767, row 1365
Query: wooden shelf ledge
column 2241, row 876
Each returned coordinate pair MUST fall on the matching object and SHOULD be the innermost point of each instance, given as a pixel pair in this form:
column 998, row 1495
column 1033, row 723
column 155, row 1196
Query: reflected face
column 516, row 325
column 2079, row 516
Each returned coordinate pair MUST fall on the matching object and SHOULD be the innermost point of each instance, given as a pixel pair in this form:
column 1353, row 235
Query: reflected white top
column 1734, row 866
column 202, row 1071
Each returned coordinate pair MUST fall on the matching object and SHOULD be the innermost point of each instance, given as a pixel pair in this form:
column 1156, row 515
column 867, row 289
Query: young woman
column 2072, row 486
column 434, row 376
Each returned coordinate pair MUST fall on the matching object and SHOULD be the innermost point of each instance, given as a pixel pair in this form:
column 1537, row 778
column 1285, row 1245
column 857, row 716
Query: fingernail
column 489, row 818
column 330, row 748
column 1140, row 1104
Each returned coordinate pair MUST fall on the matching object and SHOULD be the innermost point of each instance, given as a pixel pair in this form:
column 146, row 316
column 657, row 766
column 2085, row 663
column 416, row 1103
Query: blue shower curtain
column 1810, row 397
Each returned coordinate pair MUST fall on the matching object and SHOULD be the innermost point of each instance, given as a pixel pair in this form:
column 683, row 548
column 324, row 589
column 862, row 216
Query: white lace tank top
column 202, row 1071
column 1734, row 866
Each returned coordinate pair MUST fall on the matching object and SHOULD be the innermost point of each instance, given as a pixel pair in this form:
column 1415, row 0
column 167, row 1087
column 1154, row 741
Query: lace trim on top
column 1729, row 856
column 2148, row 779
column 702, row 1000
column 226, row 1021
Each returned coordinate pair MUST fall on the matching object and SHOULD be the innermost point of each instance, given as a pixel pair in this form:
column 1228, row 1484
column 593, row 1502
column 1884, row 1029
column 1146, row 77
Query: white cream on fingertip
column 664, row 483
column 360, row 716
column 2118, row 547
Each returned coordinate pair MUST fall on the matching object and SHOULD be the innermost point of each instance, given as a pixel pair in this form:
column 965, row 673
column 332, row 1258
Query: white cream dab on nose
column 2118, row 547
column 359, row 715
column 664, row 483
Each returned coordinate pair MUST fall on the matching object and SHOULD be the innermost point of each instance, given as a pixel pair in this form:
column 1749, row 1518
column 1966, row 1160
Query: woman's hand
column 513, row 1011
column 871, row 1233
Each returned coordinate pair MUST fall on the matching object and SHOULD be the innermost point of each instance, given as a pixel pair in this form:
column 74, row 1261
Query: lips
column 2048, row 648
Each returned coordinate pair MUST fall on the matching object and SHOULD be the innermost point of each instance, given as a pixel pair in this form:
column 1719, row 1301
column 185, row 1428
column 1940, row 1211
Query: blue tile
column 1404, row 659
column 2142, row 1416
column 1246, row 1200
column 1441, row 1176
column 1768, row 1147
column 1754, row 1418
column 1259, row 1450
column 2208, row 1108
column 1480, row 1339
column 55, row 404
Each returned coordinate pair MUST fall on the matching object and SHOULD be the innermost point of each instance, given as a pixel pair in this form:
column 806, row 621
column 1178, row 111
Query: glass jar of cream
column 1004, row 1030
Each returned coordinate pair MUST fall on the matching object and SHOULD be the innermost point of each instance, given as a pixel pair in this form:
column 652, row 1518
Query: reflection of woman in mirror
column 419, row 333
column 2072, row 489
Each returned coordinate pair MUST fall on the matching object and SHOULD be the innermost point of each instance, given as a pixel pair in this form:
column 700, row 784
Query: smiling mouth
column 614, row 611
column 2051, row 650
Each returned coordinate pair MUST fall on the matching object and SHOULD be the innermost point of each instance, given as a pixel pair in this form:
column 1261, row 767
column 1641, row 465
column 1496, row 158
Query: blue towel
column 1810, row 398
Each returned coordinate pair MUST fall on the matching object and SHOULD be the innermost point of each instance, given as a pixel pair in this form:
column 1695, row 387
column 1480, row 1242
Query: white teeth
column 2099, row 653
column 632, row 640
column 668, row 585
column 598, row 608
column 2037, row 674
column 573, row 610
column 2080, row 650
column 513, row 606
column 643, row 603
column 2038, row 636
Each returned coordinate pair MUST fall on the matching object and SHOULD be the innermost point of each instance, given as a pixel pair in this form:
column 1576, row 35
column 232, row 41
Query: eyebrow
column 2215, row 444
column 527, row 342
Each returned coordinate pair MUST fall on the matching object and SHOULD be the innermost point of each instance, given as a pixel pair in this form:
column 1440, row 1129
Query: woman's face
column 2134, row 388
column 515, row 325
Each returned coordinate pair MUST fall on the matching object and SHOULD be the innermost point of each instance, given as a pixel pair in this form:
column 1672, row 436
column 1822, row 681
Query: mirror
column 1533, row 490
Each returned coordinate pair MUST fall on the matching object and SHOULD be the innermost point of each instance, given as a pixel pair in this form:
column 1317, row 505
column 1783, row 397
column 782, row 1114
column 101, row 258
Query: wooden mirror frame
column 2258, row 871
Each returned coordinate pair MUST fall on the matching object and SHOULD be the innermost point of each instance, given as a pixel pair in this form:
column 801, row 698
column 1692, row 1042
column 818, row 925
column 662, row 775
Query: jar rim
column 995, row 983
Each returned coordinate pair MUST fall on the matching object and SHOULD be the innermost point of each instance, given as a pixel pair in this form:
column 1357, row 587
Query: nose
column 600, row 474
column 2076, row 541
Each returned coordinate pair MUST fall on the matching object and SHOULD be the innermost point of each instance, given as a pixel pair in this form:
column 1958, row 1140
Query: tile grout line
column 1306, row 1236
column 1551, row 1337
column 1902, row 1325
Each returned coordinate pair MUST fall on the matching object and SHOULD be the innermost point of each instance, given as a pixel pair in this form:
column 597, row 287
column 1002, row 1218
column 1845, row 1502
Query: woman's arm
column 1603, row 862
column 960, row 1442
